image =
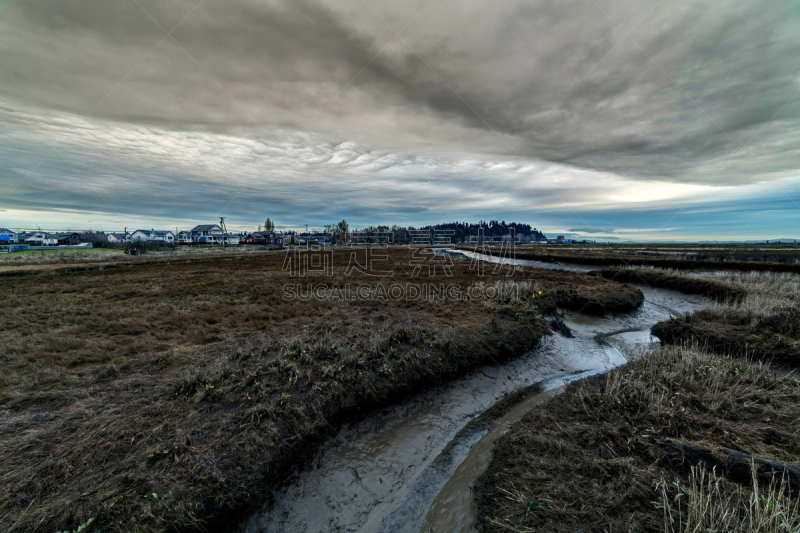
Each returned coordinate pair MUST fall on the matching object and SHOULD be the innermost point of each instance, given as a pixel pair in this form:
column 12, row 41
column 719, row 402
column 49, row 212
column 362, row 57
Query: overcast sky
column 598, row 118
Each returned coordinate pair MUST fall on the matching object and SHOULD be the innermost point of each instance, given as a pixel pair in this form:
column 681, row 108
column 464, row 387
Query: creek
column 410, row 467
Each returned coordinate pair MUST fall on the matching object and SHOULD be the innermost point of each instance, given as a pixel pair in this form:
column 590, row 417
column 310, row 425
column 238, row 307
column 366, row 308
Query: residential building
column 207, row 234
column 233, row 238
column 116, row 237
column 153, row 236
column 262, row 237
column 70, row 238
column 40, row 238
column 7, row 236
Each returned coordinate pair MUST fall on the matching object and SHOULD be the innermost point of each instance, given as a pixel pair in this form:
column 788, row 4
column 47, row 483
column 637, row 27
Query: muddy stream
column 410, row 467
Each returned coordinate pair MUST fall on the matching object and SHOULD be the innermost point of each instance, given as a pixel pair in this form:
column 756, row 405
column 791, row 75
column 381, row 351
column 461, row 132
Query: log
column 735, row 465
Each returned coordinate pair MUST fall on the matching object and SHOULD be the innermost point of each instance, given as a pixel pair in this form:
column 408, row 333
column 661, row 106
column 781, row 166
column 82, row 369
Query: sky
column 599, row 119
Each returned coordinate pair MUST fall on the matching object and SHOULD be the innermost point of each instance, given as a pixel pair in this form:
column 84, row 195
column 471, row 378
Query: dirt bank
column 169, row 395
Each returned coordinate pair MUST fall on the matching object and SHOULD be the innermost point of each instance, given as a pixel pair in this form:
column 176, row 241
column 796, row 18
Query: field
column 614, row 453
column 778, row 258
column 170, row 392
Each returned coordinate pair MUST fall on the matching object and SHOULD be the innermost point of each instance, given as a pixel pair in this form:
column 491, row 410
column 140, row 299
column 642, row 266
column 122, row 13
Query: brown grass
column 591, row 459
column 167, row 394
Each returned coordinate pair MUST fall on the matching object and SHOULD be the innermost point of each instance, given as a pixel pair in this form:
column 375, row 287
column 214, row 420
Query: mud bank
column 411, row 466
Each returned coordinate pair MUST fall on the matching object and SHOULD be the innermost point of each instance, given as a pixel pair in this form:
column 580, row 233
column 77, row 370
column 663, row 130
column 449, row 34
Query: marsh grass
column 592, row 459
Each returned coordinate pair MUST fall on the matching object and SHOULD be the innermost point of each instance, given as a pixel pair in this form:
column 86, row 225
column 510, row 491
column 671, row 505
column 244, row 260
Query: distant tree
column 259, row 227
column 401, row 235
column 269, row 225
column 343, row 226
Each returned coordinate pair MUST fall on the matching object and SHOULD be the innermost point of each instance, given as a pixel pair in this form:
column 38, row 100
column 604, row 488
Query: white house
column 233, row 238
column 115, row 237
column 41, row 238
column 184, row 237
column 7, row 236
column 153, row 236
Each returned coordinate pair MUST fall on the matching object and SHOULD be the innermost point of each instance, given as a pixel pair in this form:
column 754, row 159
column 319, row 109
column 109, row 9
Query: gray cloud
column 276, row 97
column 733, row 65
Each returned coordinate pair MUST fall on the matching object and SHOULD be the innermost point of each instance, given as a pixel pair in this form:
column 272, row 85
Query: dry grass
column 163, row 394
column 591, row 459
column 41, row 257
column 709, row 503
column 766, row 293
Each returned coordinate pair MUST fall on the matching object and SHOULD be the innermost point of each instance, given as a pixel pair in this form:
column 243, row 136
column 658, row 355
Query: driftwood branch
column 735, row 465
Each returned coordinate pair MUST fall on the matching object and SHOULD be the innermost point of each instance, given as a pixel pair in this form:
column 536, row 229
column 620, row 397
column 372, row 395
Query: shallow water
column 410, row 467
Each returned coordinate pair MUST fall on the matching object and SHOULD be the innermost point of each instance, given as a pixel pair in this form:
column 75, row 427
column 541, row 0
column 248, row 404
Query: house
column 153, row 236
column 255, row 237
column 262, row 237
column 162, row 236
column 315, row 238
column 40, row 238
column 233, row 238
column 116, row 237
column 184, row 237
column 207, row 234
column 70, row 238
column 7, row 236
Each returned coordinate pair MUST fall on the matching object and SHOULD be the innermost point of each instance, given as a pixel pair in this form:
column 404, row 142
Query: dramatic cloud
column 316, row 110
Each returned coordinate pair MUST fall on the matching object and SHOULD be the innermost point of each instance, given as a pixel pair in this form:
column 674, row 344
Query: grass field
column 165, row 393
column 35, row 255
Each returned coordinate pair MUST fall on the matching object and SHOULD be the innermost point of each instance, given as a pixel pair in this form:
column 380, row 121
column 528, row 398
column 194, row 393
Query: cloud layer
column 320, row 109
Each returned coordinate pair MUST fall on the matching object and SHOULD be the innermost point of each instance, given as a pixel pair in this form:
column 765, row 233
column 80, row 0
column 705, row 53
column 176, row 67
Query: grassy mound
column 593, row 459
column 762, row 320
column 675, row 280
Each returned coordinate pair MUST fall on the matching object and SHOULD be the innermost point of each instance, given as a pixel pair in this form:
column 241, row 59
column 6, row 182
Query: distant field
column 785, row 258
column 37, row 256
column 36, row 252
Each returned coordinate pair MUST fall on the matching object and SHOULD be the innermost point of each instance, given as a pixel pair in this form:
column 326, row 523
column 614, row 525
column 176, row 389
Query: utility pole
column 224, row 231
